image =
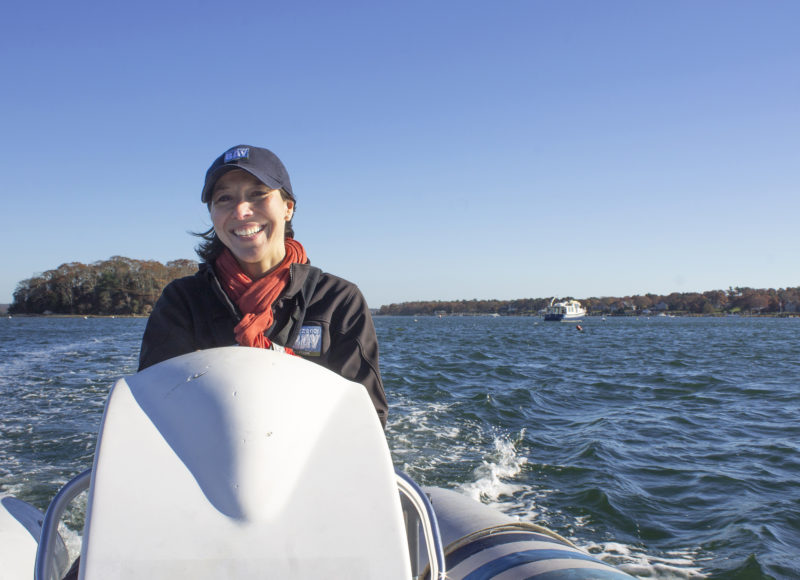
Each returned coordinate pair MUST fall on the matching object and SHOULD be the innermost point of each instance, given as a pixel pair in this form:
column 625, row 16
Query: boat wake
column 495, row 476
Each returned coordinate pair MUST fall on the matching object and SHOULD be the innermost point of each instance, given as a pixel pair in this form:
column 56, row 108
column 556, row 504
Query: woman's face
column 250, row 219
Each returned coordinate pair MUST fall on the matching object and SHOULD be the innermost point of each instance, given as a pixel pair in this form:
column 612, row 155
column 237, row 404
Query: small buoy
column 579, row 327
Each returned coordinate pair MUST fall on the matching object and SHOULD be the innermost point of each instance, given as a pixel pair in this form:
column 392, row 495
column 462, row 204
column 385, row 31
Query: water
column 668, row 446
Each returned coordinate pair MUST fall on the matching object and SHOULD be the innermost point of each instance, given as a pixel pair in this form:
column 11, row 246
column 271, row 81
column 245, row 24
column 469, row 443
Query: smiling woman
column 255, row 286
column 249, row 218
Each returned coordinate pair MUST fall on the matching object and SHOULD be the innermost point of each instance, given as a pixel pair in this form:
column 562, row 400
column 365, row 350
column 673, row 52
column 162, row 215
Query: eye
column 258, row 194
column 221, row 198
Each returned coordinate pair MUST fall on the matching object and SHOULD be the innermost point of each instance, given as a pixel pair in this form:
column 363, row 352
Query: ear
column 289, row 210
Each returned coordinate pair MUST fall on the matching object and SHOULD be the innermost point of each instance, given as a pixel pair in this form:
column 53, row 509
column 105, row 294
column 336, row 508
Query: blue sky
column 438, row 150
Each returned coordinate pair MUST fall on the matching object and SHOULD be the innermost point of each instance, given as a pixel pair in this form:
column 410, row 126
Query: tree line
column 124, row 286
column 732, row 301
column 117, row 286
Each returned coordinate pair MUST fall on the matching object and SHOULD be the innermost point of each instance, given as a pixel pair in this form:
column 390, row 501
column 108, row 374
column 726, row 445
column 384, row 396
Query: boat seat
column 242, row 463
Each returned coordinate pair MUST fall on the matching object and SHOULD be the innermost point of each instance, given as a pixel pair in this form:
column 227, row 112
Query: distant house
column 661, row 306
column 622, row 306
column 4, row 308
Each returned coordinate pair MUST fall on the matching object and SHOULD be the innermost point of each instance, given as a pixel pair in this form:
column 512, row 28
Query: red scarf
column 255, row 297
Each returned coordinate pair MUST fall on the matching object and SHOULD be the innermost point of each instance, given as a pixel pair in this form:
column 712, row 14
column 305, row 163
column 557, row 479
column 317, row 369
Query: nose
column 243, row 209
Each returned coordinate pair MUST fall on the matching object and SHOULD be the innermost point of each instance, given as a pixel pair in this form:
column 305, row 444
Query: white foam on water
column 16, row 489
column 72, row 539
column 495, row 476
column 675, row 565
column 416, row 429
column 495, row 484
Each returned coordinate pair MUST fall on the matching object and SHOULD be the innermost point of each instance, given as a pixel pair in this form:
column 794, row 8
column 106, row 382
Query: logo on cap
column 237, row 153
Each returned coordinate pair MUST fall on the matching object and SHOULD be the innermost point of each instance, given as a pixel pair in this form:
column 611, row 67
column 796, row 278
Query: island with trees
column 117, row 286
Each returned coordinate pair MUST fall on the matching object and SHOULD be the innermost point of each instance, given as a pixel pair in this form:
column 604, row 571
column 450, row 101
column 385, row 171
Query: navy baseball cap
column 261, row 163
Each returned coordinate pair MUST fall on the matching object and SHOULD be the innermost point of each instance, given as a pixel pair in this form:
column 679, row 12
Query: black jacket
column 322, row 317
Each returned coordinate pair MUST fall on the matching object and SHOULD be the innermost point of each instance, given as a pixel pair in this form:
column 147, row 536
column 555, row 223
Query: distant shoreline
column 55, row 315
column 597, row 315
column 466, row 314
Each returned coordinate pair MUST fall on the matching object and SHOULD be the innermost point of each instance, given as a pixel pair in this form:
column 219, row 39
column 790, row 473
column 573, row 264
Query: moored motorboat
column 243, row 463
column 565, row 310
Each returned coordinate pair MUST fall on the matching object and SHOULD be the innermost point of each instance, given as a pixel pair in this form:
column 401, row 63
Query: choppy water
column 669, row 446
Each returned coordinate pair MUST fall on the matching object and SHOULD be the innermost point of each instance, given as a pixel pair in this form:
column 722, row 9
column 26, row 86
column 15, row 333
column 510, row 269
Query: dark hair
column 211, row 247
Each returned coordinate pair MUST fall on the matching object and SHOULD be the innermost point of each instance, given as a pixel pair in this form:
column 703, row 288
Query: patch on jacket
column 309, row 341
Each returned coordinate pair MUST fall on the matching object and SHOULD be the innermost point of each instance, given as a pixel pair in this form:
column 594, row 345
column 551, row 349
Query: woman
column 255, row 286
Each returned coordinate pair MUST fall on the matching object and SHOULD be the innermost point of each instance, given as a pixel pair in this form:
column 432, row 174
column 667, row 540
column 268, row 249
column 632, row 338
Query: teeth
column 244, row 232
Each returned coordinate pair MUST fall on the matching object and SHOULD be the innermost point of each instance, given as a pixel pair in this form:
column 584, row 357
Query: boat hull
column 560, row 317
column 482, row 543
column 20, row 529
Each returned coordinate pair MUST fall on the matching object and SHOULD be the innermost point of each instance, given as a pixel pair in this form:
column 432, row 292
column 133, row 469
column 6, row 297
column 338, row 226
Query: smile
column 248, row 231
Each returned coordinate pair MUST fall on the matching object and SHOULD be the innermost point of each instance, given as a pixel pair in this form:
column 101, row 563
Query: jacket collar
column 297, row 277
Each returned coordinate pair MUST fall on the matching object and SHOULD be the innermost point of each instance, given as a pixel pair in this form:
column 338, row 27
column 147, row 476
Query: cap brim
column 211, row 181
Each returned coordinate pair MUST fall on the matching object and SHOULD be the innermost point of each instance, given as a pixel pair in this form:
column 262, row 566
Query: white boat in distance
column 567, row 310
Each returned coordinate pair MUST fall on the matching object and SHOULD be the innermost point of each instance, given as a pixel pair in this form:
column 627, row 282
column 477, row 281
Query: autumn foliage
column 733, row 301
column 117, row 286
